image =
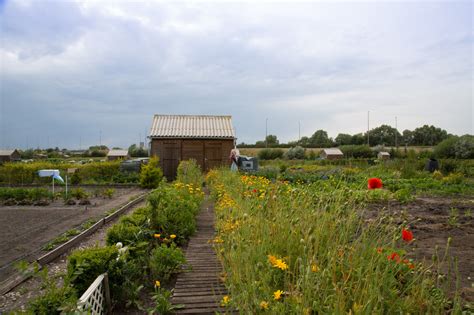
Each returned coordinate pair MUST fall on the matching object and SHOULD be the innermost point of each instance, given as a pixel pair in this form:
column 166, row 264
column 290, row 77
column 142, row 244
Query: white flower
column 119, row 245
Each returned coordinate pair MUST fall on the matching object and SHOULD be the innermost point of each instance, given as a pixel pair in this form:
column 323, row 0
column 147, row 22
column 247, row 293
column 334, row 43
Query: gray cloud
column 73, row 69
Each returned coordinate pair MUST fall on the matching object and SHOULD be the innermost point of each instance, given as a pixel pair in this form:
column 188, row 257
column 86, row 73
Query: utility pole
column 396, row 132
column 299, row 132
column 368, row 128
column 266, row 132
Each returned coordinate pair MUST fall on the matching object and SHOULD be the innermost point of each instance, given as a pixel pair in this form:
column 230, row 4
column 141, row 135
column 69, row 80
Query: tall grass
column 336, row 262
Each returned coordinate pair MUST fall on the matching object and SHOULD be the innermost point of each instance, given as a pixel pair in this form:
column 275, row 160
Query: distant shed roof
column 117, row 153
column 192, row 126
column 384, row 153
column 7, row 152
column 333, row 151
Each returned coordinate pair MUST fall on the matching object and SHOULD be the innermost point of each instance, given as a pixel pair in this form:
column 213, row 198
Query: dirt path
column 19, row 297
column 25, row 229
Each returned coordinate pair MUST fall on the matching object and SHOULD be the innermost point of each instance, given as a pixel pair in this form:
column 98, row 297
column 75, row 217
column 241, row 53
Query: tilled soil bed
column 434, row 220
column 24, row 230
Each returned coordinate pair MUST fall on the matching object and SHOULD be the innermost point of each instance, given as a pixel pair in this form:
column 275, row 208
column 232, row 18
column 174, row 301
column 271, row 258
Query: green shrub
column 108, row 193
column 79, row 193
column 172, row 213
column 270, row 154
column 85, row 265
column 357, row 151
column 446, row 148
column 464, row 147
column 295, row 153
column 52, row 301
column 124, row 233
column 150, row 174
column 189, row 172
column 165, row 261
column 75, row 178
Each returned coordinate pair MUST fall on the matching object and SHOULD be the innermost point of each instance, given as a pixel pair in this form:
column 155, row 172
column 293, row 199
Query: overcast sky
column 75, row 72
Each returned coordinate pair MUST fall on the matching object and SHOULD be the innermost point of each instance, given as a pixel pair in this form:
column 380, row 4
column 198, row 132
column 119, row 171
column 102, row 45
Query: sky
column 80, row 73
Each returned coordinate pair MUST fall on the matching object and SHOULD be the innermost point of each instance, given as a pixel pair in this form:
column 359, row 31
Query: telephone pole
column 368, row 128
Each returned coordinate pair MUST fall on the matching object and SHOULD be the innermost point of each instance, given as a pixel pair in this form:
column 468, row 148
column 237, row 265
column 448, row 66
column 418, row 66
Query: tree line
column 383, row 135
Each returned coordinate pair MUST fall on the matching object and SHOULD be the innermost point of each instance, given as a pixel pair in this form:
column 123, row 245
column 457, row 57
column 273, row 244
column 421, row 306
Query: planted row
column 141, row 254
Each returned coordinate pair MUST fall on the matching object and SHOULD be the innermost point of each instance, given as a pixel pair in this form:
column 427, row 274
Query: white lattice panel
column 94, row 300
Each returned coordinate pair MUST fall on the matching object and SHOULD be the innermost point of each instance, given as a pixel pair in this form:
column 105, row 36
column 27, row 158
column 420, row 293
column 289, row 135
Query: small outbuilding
column 383, row 155
column 117, row 155
column 331, row 154
column 204, row 138
column 9, row 155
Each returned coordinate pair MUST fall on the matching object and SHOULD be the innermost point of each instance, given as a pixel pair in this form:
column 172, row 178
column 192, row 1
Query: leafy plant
column 150, row 174
column 165, row 261
column 189, row 172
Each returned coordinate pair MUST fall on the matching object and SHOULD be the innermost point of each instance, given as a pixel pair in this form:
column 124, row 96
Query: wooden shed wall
column 207, row 153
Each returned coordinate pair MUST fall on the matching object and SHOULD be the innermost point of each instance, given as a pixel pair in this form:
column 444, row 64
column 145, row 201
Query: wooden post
column 108, row 305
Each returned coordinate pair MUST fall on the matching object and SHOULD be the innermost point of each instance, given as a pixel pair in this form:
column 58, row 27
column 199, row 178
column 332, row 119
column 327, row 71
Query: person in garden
column 234, row 158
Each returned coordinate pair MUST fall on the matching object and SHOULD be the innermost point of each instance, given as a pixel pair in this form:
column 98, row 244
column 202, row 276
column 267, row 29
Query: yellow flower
column 156, row 235
column 157, row 284
column 225, row 300
column 272, row 259
column 314, row 268
column 264, row 305
column 281, row 264
column 172, row 236
column 277, row 294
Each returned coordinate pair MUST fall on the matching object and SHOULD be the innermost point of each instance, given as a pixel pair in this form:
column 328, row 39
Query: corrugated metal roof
column 117, row 153
column 6, row 152
column 192, row 126
column 333, row 151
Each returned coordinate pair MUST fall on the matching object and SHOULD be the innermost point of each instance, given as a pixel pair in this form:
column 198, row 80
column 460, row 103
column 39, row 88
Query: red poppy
column 374, row 183
column 379, row 250
column 407, row 235
column 254, row 190
column 394, row 256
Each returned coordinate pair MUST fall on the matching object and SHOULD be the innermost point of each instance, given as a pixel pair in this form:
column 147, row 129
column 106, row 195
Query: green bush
column 79, row 193
column 270, row 154
column 172, row 213
column 22, row 194
column 295, row 153
column 446, row 148
column 357, row 151
column 165, row 261
column 189, row 172
column 125, row 233
column 150, row 174
column 85, row 265
column 52, row 301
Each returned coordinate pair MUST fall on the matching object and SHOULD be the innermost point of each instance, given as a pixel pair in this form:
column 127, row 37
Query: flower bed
column 303, row 249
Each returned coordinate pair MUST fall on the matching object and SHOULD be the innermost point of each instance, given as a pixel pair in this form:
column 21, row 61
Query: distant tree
column 359, row 139
column 384, row 135
column 320, row 139
column 429, row 135
column 27, row 154
column 270, row 141
column 304, row 142
column 343, row 139
column 407, row 137
column 135, row 151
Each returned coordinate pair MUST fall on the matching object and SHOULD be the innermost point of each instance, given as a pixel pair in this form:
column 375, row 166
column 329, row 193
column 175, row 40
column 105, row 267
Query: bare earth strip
column 19, row 297
column 25, row 229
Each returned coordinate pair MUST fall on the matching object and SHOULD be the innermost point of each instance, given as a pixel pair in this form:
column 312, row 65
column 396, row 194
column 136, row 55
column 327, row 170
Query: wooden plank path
column 200, row 290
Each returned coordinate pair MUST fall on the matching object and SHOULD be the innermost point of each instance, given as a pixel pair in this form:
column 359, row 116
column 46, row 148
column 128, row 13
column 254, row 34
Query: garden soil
column 434, row 220
column 24, row 230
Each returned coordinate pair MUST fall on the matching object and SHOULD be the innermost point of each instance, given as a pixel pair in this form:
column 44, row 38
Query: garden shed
column 204, row 138
column 383, row 155
column 331, row 154
column 9, row 155
column 117, row 155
